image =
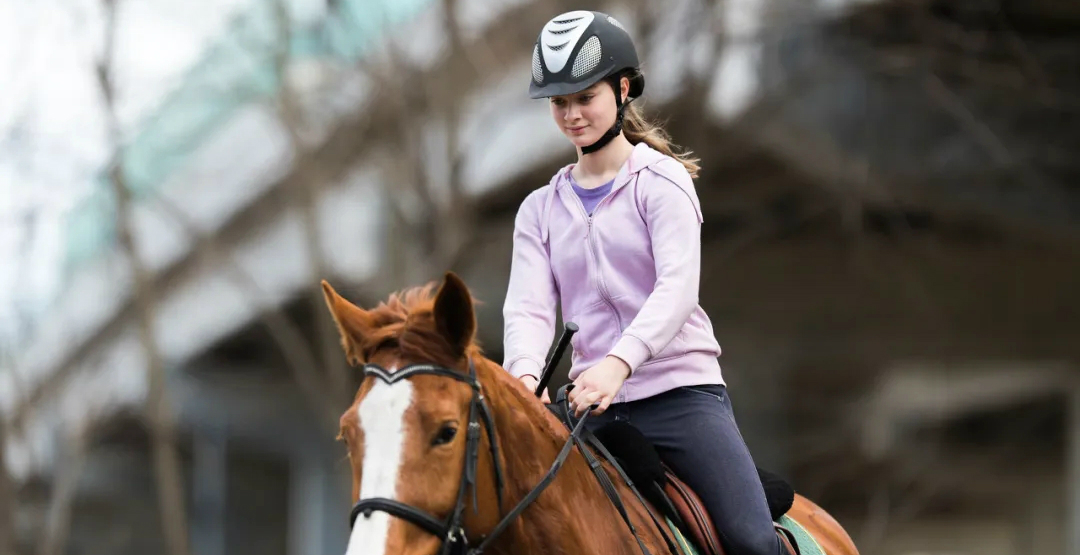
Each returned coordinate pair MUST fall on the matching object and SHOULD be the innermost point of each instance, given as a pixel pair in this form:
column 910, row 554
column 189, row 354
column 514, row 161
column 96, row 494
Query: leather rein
column 451, row 529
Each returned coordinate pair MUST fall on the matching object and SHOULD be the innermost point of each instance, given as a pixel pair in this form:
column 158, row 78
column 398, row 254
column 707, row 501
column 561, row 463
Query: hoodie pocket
column 676, row 347
column 597, row 332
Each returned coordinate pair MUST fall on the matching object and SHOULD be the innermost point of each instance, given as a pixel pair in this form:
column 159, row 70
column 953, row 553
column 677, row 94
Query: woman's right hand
column 531, row 383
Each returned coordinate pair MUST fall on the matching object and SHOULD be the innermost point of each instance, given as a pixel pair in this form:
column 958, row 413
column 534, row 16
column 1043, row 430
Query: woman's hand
column 531, row 383
column 598, row 384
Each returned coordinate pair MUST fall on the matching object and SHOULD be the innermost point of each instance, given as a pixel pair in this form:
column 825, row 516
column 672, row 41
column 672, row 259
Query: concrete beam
column 927, row 393
column 856, row 107
column 271, row 416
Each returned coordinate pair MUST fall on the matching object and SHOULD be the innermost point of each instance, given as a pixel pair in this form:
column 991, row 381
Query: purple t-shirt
column 591, row 197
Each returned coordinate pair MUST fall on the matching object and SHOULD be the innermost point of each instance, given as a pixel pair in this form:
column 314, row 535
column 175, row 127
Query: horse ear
column 453, row 312
column 352, row 322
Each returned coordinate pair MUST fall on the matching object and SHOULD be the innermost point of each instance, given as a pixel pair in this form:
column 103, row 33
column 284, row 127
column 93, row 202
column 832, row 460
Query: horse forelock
column 405, row 323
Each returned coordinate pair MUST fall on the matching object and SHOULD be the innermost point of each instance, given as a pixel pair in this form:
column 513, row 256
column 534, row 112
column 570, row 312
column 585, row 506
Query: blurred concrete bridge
column 890, row 254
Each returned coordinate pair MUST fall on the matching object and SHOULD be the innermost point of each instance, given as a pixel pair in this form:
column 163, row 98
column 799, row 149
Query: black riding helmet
column 576, row 50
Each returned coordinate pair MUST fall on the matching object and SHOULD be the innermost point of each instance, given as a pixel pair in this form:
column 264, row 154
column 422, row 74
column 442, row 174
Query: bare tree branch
column 167, row 466
column 307, row 193
column 431, row 233
column 456, row 226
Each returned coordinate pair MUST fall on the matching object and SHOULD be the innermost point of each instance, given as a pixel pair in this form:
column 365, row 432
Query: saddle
column 627, row 448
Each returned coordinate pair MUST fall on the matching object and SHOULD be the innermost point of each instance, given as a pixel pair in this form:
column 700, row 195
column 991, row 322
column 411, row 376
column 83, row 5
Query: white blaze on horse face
column 382, row 419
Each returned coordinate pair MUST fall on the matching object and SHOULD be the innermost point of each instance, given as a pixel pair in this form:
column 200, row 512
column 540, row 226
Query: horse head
column 418, row 433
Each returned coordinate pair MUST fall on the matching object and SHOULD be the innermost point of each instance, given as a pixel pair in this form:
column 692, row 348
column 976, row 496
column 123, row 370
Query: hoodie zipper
column 601, row 286
column 620, row 397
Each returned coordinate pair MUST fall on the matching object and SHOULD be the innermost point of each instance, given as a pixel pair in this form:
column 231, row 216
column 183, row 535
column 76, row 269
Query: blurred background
column 890, row 249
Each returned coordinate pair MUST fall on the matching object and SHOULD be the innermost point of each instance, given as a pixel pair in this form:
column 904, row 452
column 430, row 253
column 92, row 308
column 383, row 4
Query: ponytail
column 637, row 129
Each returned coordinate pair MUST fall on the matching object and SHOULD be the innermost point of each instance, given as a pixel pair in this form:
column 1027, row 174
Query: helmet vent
column 588, row 58
column 537, row 71
column 568, row 20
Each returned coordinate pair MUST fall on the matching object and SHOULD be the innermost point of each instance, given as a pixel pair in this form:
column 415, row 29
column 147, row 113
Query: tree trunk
column 7, row 499
column 164, row 450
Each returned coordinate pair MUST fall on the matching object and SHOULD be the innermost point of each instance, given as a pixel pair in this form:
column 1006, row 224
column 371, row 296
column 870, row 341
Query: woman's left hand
column 598, row 384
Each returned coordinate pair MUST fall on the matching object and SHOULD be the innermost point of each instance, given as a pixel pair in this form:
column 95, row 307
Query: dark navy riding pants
column 694, row 431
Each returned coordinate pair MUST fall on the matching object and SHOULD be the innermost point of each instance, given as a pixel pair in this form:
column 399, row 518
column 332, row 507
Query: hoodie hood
column 643, row 156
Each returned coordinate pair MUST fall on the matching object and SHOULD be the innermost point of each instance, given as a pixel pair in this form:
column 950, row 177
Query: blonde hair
column 638, row 129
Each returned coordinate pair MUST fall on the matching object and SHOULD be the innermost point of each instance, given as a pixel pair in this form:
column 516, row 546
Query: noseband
column 451, row 529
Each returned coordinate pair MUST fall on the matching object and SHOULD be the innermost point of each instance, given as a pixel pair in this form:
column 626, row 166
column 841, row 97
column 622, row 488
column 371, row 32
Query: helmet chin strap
column 614, row 130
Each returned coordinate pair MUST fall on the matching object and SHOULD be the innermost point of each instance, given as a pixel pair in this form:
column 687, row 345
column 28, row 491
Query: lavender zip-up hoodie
column 628, row 276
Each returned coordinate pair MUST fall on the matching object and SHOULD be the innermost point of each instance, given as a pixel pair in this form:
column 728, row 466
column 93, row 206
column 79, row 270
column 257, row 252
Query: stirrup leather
column 788, row 539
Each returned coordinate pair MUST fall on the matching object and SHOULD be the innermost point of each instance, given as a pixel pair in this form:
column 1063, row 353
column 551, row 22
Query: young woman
column 616, row 238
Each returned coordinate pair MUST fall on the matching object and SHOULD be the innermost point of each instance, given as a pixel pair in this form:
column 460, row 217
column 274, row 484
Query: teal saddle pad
column 807, row 544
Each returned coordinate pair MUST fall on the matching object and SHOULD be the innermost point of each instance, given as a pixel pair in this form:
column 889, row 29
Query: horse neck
column 573, row 515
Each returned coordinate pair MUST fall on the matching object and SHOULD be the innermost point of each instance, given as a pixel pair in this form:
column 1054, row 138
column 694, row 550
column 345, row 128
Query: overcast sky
column 52, row 140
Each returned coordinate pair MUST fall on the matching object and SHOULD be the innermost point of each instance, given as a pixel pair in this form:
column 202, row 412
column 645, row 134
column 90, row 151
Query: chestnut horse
column 451, row 454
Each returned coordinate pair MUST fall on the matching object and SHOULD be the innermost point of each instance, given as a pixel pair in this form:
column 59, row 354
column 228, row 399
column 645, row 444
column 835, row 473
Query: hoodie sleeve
column 531, row 297
column 673, row 216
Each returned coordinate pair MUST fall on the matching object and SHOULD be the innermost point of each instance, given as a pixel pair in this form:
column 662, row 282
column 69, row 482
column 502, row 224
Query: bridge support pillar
column 318, row 505
column 210, row 487
column 1072, row 471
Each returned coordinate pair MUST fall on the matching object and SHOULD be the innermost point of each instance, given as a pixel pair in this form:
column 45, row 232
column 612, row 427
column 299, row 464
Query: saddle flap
column 695, row 518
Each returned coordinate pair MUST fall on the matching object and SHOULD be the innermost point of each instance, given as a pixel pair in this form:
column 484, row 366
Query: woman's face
column 585, row 116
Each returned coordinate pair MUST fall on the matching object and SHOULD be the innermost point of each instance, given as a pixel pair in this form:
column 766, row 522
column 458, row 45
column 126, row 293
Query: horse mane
column 405, row 321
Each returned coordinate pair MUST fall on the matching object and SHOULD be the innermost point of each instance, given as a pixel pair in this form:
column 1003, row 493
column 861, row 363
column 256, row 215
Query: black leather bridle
column 451, row 529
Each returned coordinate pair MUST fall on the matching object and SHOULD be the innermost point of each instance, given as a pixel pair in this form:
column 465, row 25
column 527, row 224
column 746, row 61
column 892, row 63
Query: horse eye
column 446, row 435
